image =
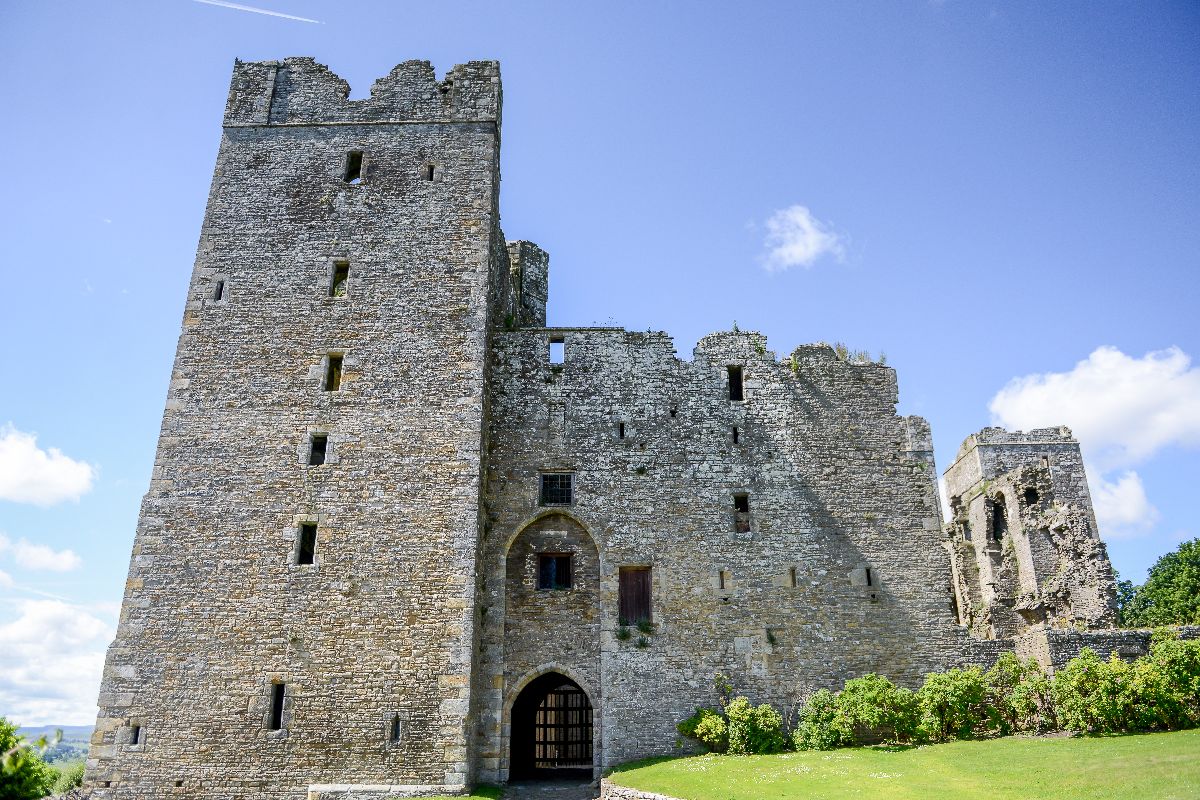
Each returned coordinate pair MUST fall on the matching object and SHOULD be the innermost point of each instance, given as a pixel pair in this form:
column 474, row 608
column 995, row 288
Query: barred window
column 557, row 489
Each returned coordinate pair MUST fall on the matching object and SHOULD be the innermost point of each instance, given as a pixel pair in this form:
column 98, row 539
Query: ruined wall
column 382, row 624
column 838, row 484
column 1024, row 538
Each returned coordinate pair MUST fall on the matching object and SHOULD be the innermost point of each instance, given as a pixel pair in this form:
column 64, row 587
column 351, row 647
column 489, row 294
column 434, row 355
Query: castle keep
column 401, row 537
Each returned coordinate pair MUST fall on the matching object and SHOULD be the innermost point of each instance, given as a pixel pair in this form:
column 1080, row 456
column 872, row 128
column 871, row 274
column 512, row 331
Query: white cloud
column 29, row 474
column 795, row 238
column 51, row 659
column 6, row 581
column 39, row 556
column 1123, row 409
column 1122, row 509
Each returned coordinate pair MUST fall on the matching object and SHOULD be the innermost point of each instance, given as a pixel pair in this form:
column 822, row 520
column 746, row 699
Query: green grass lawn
column 1152, row 766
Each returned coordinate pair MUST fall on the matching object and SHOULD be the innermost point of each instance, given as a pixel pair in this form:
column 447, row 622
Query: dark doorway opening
column 551, row 731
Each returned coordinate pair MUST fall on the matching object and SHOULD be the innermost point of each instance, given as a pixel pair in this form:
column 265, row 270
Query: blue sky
column 1001, row 196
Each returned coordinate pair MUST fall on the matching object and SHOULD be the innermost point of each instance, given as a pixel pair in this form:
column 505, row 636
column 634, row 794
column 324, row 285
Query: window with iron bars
column 557, row 489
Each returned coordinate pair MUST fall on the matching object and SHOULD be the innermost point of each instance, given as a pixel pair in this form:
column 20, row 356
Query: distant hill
column 74, row 744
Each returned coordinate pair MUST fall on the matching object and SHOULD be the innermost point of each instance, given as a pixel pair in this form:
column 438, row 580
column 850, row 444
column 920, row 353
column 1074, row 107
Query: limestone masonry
column 402, row 538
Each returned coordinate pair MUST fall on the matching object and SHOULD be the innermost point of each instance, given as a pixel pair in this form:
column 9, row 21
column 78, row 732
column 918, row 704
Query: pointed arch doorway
column 551, row 730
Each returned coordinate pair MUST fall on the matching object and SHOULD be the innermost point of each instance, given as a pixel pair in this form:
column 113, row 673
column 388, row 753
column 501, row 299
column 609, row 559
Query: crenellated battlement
column 300, row 91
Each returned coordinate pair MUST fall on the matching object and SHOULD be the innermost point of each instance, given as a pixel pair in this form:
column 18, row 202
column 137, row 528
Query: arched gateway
column 551, row 730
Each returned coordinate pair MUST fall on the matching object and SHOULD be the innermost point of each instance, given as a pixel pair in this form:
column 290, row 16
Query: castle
column 402, row 538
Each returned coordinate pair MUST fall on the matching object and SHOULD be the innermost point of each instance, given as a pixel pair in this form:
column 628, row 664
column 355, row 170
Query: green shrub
column 819, row 725
column 953, row 704
column 875, row 709
column 1019, row 697
column 756, row 730
column 1093, row 695
column 23, row 773
column 707, row 727
column 70, row 776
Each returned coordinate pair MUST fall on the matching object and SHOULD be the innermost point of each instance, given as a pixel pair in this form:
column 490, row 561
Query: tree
column 23, row 774
column 1171, row 593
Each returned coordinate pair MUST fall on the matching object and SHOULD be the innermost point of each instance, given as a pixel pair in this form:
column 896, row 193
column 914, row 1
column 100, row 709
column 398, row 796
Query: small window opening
column 735, row 383
column 1045, row 462
column 792, row 577
column 870, row 579
column 394, row 732
column 179, row 783
column 620, row 430
column 306, row 549
column 354, row 162
column 333, row 372
column 741, row 513
column 999, row 519
column 966, row 530
column 341, row 278
column 1031, row 496
column 554, row 571
column 557, row 489
column 674, row 410
column 558, row 351
column 219, row 291
column 275, row 718
column 634, row 594
column 723, row 579
column 135, row 734
column 428, row 172
column 318, row 446
column 736, row 435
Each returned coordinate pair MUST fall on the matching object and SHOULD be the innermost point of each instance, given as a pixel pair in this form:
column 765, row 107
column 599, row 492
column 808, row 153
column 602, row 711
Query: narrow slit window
column 317, row 448
column 429, row 172
column 219, row 291
column 354, row 162
column 306, row 547
column 735, row 383
column 634, row 591
column 135, row 734
column 722, row 579
column 870, row 579
column 791, row 579
column 620, row 430
column 557, row 489
column 340, row 283
column 558, row 351
column 333, row 372
column 999, row 519
column 394, row 729
column 275, row 717
column 736, row 435
column 554, row 571
column 741, row 513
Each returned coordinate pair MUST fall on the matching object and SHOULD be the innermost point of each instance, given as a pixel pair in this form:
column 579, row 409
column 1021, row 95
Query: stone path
column 552, row 790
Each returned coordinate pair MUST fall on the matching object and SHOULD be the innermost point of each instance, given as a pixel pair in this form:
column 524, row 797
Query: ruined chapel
column 402, row 537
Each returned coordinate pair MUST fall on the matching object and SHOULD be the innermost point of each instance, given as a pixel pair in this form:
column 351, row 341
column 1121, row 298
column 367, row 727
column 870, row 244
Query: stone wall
column 611, row 791
column 381, row 626
column 839, row 487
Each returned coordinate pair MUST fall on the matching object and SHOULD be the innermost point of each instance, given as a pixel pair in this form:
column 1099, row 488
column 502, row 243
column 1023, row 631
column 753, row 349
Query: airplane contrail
column 253, row 10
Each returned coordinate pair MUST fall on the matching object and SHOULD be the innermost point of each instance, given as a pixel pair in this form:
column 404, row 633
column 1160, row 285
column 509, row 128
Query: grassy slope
column 1158, row 766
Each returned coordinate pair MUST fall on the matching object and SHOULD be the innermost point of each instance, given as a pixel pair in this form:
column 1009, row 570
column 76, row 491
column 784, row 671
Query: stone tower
column 1025, row 545
column 303, row 569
